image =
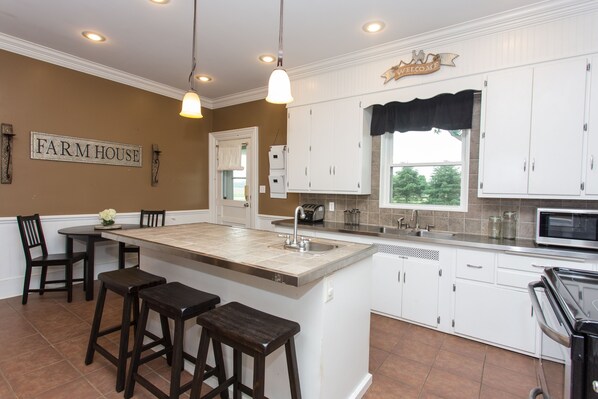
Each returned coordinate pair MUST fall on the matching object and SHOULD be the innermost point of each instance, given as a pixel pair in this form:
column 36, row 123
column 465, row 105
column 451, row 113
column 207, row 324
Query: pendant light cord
column 279, row 61
column 193, row 60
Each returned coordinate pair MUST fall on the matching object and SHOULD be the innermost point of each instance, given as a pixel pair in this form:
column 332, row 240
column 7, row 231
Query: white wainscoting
column 12, row 259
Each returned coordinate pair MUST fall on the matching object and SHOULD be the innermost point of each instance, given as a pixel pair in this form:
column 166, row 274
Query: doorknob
column 246, row 205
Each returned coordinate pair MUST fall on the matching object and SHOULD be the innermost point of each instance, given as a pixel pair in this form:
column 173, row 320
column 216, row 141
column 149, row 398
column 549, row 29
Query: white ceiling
column 154, row 41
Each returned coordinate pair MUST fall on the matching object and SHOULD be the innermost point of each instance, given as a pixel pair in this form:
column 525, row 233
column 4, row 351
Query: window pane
column 429, row 185
column 437, row 145
column 239, row 189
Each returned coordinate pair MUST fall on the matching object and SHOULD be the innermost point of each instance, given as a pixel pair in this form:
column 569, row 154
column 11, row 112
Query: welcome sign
column 51, row 147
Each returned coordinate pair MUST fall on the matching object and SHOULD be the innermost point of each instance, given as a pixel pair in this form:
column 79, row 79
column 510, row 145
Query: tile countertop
column 517, row 247
column 255, row 252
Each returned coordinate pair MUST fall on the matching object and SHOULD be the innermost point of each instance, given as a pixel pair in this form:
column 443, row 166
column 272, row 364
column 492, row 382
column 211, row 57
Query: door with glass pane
column 234, row 197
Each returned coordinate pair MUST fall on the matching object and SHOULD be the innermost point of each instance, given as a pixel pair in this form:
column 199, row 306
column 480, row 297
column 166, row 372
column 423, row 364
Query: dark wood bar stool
column 179, row 303
column 248, row 331
column 126, row 283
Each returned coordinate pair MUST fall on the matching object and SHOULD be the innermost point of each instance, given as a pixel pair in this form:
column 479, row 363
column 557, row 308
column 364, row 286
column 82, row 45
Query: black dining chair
column 146, row 219
column 32, row 237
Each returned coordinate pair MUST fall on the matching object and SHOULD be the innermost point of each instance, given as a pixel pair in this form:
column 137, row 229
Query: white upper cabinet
column 298, row 122
column 591, row 181
column 333, row 138
column 556, row 145
column 532, row 142
column 504, row 147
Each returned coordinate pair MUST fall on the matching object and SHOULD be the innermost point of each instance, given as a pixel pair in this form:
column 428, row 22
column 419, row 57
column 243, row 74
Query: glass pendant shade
column 279, row 87
column 191, row 105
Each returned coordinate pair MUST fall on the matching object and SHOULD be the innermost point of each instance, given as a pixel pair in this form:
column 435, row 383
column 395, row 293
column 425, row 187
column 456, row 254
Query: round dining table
column 91, row 234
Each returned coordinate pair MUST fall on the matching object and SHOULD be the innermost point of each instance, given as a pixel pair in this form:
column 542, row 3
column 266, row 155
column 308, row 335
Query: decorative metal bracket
column 155, row 163
column 6, row 136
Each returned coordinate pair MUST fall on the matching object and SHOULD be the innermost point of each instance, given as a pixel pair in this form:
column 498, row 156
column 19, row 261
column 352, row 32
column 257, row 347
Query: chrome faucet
column 400, row 223
column 298, row 210
column 414, row 219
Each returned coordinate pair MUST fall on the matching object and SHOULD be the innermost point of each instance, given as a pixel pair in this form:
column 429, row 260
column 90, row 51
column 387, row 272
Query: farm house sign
column 51, row 147
column 420, row 64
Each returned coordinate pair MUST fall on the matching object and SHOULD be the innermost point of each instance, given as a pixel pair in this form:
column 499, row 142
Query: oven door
column 554, row 377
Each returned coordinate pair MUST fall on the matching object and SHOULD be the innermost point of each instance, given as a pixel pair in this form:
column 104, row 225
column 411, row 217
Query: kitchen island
column 327, row 293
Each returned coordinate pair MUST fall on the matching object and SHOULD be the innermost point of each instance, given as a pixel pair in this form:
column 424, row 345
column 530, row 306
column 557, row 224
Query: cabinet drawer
column 536, row 264
column 515, row 278
column 475, row 265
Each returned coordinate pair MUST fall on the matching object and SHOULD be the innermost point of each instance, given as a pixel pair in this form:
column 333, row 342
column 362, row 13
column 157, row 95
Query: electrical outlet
column 262, row 189
column 328, row 290
column 331, row 206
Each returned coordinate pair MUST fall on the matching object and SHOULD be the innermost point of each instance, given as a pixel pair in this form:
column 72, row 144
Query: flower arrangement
column 107, row 217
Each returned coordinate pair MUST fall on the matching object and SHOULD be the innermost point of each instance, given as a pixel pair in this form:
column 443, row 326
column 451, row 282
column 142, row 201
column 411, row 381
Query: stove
column 567, row 314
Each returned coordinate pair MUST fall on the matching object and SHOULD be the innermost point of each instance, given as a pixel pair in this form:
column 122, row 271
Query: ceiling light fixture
column 203, row 78
column 94, row 37
column 267, row 58
column 160, row 1
column 279, row 85
column 191, row 103
column 373, row 27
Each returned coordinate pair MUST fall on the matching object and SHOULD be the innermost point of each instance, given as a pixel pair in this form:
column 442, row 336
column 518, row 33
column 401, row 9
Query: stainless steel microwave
column 567, row 227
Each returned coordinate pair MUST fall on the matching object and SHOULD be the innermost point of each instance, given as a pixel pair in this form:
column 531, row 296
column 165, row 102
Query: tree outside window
column 425, row 170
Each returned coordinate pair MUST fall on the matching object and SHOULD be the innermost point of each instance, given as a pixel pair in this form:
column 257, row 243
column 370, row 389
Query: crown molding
column 240, row 98
column 547, row 11
column 46, row 54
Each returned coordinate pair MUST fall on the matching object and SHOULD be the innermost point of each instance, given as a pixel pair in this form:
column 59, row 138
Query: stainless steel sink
column 310, row 246
column 432, row 234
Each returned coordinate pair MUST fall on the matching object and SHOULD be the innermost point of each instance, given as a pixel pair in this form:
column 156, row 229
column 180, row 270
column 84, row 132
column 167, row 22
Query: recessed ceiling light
column 203, row 78
column 94, row 37
column 267, row 58
column 160, row 1
column 373, row 27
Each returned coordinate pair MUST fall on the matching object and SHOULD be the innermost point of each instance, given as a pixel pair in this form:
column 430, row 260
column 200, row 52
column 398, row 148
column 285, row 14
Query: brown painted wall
column 271, row 121
column 37, row 96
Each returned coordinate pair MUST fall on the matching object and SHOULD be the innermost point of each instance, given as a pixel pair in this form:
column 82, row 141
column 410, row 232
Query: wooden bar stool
column 179, row 303
column 126, row 283
column 248, row 331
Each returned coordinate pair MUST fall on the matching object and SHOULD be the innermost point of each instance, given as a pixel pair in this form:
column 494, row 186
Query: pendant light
column 279, row 85
column 191, row 104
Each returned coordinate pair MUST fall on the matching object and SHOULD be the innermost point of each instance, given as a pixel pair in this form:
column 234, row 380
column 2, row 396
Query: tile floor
column 43, row 347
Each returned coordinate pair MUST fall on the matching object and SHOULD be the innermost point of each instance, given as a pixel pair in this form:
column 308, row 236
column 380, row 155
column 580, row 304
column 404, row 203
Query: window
column 235, row 181
column 425, row 170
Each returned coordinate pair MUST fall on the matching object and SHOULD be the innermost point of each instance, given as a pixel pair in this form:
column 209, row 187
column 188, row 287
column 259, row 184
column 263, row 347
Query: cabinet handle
column 330, row 170
column 399, row 276
column 474, row 266
column 334, row 170
column 306, row 171
column 524, row 165
column 404, row 277
column 592, row 162
column 534, row 164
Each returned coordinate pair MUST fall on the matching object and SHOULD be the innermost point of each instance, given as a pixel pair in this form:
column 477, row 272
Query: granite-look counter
column 518, row 246
column 255, row 252
column 328, row 294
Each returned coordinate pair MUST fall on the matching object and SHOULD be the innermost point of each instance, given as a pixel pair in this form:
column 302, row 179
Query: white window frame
column 386, row 146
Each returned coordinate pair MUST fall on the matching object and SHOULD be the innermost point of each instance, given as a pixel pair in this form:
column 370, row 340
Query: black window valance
column 445, row 111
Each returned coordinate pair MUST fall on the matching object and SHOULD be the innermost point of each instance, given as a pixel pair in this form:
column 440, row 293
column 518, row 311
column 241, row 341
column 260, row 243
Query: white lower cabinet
column 495, row 314
column 406, row 287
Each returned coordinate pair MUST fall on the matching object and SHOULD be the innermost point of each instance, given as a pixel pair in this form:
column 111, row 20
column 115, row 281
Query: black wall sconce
column 6, row 136
column 155, row 163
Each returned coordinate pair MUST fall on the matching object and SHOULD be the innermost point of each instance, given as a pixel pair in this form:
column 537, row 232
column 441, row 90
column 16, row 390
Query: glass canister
column 509, row 225
column 494, row 223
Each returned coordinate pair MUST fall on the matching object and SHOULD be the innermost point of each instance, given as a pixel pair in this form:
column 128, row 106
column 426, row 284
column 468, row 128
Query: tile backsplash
column 474, row 221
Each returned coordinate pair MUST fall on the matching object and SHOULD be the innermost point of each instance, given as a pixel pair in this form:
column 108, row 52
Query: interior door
column 234, row 197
